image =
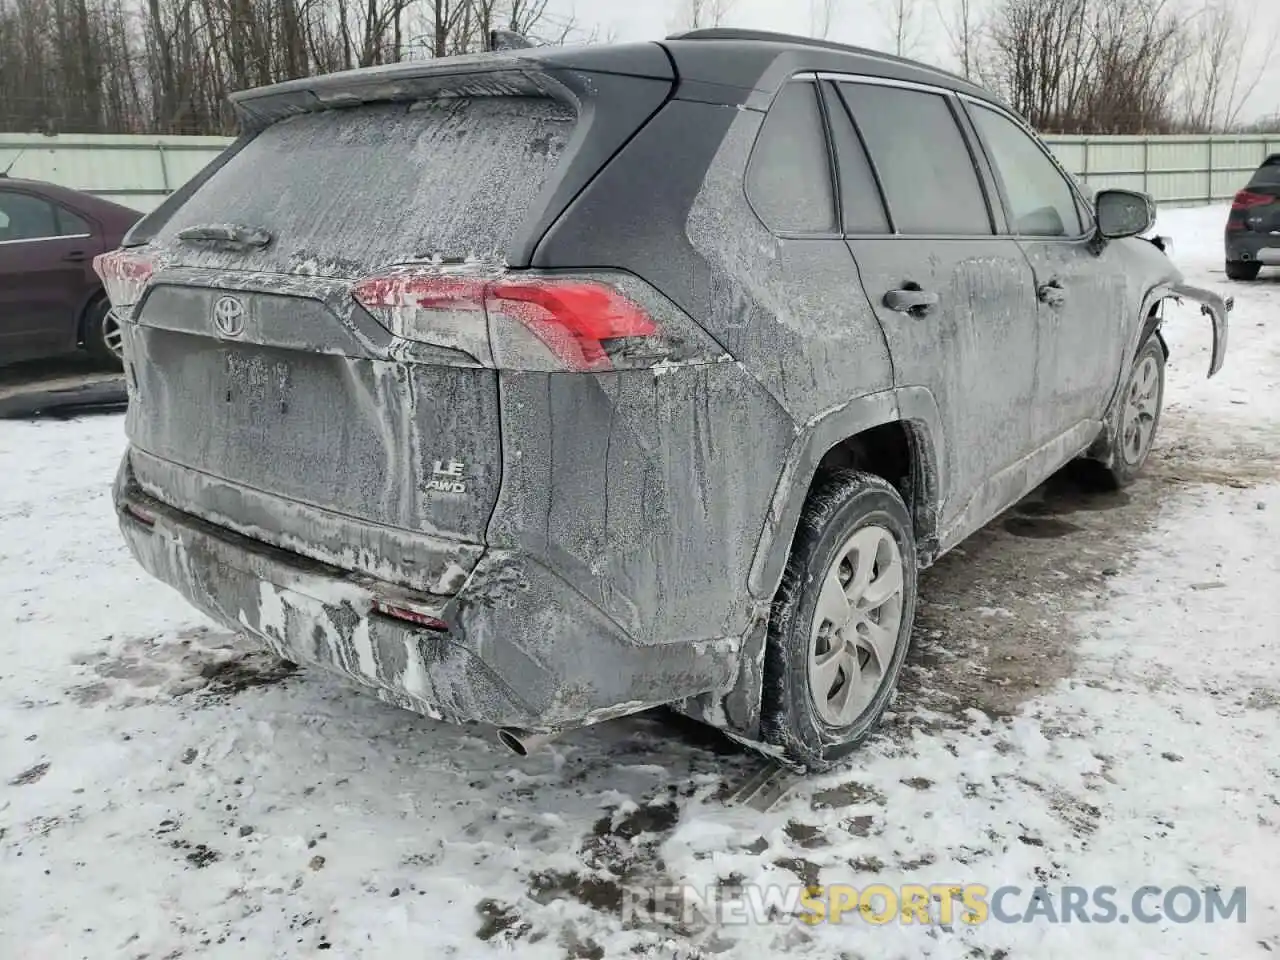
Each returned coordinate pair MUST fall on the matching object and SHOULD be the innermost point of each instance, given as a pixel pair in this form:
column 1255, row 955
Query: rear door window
column 343, row 192
column 924, row 162
column 862, row 207
column 789, row 175
column 72, row 224
column 1041, row 202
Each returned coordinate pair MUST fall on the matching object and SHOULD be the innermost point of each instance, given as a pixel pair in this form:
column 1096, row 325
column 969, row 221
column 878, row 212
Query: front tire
column 1243, row 270
column 841, row 621
column 103, row 338
column 1137, row 417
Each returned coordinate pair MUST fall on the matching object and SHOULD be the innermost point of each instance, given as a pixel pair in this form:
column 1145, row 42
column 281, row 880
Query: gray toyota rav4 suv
column 541, row 387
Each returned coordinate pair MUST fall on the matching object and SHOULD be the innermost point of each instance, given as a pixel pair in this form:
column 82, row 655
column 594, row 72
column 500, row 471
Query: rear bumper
column 1244, row 246
column 522, row 647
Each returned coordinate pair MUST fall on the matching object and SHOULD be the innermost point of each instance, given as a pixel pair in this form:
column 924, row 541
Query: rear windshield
column 1268, row 174
column 346, row 191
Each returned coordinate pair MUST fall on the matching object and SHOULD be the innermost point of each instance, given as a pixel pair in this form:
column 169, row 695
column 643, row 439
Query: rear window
column 1268, row 174
column 346, row 191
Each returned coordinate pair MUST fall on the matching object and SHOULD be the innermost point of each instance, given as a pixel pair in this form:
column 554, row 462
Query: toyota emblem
column 228, row 316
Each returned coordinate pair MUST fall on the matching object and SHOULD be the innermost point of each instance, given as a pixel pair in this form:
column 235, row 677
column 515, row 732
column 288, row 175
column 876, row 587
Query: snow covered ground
column 1092, row 700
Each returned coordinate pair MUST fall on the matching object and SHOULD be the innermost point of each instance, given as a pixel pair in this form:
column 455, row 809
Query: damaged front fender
column 1216, row 308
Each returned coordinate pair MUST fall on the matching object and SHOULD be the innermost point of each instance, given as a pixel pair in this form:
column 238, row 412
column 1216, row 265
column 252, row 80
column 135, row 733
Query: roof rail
column 766, row 36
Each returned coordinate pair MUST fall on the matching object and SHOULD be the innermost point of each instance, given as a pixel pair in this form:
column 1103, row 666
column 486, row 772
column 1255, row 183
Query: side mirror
column 1124, row 213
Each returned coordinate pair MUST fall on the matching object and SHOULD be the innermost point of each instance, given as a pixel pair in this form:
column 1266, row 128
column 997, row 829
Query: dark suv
column 51, row 302
column 1253, row 226
column 542, row 387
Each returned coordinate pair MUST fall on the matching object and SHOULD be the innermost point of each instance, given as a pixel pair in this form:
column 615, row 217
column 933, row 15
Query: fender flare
column 913, row 407
column 1149, row 321
column 1212, row 305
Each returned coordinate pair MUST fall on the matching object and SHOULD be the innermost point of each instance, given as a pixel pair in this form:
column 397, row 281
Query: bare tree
column 1087, row 66
column 906, row 30
column 821, row 13
column 961, row 19
column 1218, row 80
column 700, row 14
column 167, row 66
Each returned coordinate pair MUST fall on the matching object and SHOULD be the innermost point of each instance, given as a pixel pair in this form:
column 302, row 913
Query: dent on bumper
column 1216, row 308
column 523, row 649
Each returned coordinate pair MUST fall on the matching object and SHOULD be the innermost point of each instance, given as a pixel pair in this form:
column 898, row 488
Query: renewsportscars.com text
column 942, row 904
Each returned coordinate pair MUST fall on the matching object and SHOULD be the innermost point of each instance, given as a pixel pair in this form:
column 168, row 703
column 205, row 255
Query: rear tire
column 1243, row 270
column 103, row 336
column 827, row 683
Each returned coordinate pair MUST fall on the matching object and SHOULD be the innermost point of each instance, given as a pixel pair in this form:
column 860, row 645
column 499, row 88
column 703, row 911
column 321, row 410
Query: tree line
column 1106, row 66
column 1090, row 66
column 167, row 66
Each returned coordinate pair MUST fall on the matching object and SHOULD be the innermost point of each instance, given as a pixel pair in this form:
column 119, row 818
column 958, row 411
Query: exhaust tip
column 512, row 741
column 524, row 742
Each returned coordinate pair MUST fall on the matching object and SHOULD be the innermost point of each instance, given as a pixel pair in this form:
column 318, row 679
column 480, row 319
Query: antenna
column 16, row 157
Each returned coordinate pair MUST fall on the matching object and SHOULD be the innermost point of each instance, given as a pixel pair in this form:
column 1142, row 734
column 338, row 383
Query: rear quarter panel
column 645, row 490
column 675, row 473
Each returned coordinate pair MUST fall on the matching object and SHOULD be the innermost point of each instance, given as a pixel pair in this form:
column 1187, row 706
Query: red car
column 51, row 301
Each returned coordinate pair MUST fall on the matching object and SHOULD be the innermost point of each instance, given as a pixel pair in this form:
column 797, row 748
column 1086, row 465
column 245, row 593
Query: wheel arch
column 95, row 297
column 902, row 427
column 1151, row 326
column 1151, row 318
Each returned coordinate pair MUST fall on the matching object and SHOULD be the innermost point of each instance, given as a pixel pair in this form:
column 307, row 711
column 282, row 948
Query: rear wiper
column 226, row 234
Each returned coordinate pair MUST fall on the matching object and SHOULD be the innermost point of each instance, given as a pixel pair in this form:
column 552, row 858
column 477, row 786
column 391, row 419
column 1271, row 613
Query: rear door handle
column 76, row 256
column 911, row 300
column 1052, row 293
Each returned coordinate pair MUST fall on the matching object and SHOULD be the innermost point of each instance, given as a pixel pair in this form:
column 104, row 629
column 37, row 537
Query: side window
column 789, row 174
column 28, row 217
column 861, row 205
column 1041, row 201
column 72, row 224
column 924, row 163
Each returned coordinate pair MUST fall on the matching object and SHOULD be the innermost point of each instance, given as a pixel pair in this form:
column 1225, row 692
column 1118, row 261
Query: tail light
column 124, row 275
column 398, row 611
column 145, row 517
column 574, row 319
column 1246, row 199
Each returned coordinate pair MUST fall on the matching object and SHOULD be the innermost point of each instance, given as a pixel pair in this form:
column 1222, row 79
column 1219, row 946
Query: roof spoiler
column 514, row 67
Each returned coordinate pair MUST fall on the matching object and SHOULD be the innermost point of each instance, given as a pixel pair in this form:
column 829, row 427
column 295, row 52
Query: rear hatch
column 266, row 397
column 1256, row 208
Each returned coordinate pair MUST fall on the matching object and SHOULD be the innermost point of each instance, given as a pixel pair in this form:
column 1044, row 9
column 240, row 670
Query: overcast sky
column 863, row 22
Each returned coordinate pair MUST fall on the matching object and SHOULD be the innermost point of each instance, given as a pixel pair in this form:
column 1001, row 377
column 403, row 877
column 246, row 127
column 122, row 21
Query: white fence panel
column 1174, row 170
column 140, row 171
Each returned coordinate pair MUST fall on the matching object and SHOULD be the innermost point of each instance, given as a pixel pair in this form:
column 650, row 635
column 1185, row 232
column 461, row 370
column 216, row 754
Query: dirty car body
column 498, row 384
